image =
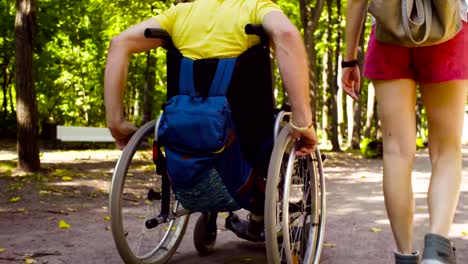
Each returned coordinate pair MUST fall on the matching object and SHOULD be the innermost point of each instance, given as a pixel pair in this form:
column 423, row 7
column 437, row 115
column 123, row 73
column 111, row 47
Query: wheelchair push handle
column 159, row 34
column 256, row 29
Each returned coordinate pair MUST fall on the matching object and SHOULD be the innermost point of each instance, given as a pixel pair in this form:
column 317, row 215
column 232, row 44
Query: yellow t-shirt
column 214, row 28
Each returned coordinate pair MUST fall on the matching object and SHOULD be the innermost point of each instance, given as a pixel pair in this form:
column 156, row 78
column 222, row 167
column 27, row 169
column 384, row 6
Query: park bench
column 83, row 134
column 56, row 136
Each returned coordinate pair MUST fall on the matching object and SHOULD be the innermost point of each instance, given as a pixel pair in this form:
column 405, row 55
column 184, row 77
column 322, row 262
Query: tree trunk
column 148, row 89
column 350, row 120
column 420, row 125
column 309, row 18
column 5, row 90
column 356, row 135
column 370, row 110
column 12, row 74
column 340, row 106
column 26, row 108
column 332, row 75
column 326, row 107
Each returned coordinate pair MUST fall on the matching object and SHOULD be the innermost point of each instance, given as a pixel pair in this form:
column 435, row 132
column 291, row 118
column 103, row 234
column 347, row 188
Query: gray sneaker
column 407, row 259
column 438, row 250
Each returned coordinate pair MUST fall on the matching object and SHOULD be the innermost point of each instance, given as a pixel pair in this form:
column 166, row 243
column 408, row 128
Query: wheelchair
column 148, row 222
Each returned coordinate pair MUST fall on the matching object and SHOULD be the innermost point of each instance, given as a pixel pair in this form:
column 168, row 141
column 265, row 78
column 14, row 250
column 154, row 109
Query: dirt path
column 29, row 226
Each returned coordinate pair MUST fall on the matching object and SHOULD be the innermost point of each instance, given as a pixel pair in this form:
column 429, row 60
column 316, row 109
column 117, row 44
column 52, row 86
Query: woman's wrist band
column 301, row 129
column 348, row 64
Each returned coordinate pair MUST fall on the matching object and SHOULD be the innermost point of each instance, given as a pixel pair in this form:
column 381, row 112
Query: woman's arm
column 351, row 76
column 355, row 14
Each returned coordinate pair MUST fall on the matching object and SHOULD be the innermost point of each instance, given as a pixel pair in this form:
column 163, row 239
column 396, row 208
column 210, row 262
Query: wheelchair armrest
column 159, row 34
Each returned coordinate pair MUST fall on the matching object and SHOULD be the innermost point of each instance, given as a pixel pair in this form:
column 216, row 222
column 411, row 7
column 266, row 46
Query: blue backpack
column 204, row 160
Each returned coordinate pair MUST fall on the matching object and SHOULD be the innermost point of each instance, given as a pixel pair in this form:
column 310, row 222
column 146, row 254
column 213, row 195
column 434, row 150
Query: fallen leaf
column 63, row 225
column 29, row 261
column 67, row 178
column 464, row 232
column 107, row 218
column 295, row 259
column 224, row 215
column 2, row 250
column 375, row 230
column 363, row 177
column 330, row 245
column 420, row 209
column 14, row 199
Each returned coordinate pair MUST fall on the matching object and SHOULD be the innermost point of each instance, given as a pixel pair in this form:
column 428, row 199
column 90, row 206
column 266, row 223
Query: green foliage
column 70, row 54
column 371, row 148
column 420, row 144
column 8, row 126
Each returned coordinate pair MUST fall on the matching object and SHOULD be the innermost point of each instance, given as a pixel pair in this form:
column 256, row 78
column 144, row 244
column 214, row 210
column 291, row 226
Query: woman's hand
column 351, row 81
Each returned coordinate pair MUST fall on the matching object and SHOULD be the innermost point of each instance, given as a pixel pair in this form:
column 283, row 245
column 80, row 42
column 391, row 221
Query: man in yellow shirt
column 215, row 29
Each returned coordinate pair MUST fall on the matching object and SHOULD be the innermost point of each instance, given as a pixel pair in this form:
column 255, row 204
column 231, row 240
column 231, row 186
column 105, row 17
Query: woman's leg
column 396, row 100
column 445, row 103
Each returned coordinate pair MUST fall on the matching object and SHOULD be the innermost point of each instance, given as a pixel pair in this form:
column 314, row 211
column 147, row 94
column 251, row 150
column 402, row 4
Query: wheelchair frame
column 276, row 217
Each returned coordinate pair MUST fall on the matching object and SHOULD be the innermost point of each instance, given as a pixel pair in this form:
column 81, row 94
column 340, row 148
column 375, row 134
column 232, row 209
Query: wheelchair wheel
column 135, row 199
column 204, row 235
column 294, row 204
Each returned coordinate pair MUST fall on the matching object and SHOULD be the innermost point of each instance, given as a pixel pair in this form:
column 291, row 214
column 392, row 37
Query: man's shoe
column 245, row 229
column 256, row 225
column 438, row 250
column 407, row 259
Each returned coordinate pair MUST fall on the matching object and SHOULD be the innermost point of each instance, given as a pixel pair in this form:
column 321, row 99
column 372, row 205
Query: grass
column 7, row 168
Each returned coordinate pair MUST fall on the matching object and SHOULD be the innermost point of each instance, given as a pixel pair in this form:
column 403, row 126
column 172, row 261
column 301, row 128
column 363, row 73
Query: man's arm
column 294, row 69
column 121, row 47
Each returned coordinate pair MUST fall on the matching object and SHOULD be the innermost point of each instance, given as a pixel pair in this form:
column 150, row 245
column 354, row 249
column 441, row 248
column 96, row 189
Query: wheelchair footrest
column 240, row 227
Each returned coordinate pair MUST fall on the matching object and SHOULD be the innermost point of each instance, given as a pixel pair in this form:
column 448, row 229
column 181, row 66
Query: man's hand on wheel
column 306, row 141
column 122, row 132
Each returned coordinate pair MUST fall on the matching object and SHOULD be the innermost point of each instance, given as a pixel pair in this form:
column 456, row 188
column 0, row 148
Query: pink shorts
column 439, row 63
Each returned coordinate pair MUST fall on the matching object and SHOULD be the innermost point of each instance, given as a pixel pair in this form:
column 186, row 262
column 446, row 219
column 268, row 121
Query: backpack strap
column 222, row 77
column 186, row 82
column 220, row 83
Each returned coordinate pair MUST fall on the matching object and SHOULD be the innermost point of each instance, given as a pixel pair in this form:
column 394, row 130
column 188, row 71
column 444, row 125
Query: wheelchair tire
column 294, row 226
column 133, row 181
column 204, row 235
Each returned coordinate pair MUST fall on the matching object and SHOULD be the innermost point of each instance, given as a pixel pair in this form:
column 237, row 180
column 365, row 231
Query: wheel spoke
column 297, row 205
column 130, row 206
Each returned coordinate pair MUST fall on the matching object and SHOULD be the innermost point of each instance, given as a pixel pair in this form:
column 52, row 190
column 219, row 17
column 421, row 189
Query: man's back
column 214, row 28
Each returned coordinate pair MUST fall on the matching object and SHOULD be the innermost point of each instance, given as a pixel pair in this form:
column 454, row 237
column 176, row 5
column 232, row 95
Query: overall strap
column 186, row 82
column 222, row 77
